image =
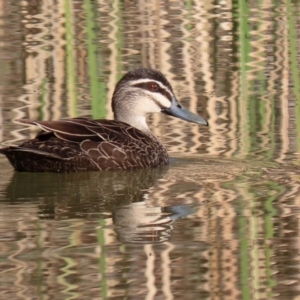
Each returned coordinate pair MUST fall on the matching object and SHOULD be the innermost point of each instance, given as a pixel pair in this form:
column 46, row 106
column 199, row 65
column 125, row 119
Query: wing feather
column 109, row 144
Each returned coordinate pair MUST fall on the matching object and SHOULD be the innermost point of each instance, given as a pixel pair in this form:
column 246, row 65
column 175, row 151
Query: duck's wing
column 80, row 129
column 124, row 146
column 73, row 130
column 110, row 144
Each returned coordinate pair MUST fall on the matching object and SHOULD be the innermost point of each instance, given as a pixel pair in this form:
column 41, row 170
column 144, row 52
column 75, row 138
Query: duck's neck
column 130, row 108
column 138, row 122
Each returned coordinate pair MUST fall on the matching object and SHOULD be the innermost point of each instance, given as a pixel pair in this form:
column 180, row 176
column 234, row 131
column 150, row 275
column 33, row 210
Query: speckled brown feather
column 81, row 144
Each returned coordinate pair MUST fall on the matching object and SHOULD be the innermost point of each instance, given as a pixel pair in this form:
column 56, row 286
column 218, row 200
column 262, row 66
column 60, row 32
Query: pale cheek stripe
column 159, row 99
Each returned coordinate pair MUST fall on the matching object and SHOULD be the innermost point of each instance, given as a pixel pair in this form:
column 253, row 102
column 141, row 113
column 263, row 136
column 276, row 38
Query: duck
column 83, row 144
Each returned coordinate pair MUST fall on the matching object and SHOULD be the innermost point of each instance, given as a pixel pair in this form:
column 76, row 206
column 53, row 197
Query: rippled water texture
column 222, row 221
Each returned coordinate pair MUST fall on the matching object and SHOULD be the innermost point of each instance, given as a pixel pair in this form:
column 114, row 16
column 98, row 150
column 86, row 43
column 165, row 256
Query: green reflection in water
column 70, row 268
column 38, row 272
column 258, row 200
column 102, row 260
column 97, row 89
column 243, row 32
column 70, row 57
column 63, row 279
column 119, row 36
column 188, row 26
column 269, row 233
column 244, row 248
column 43, row 101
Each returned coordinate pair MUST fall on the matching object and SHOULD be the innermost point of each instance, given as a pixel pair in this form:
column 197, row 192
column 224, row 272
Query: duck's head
column 143, row 91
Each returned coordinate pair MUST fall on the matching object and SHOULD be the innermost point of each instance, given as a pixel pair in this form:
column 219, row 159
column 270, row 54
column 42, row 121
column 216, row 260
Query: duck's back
column 81, row 144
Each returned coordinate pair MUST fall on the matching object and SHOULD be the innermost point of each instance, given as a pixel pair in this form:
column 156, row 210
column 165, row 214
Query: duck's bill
column 178, row 111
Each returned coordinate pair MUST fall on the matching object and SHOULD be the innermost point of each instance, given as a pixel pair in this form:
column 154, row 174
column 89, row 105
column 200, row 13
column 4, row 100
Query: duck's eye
column 152, row 86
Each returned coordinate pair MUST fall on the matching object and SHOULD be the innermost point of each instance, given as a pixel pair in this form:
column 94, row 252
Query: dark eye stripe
column 145, row 86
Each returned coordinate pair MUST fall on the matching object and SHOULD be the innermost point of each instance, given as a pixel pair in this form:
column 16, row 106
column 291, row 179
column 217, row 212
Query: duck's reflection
column 122, row 196
column 139, row 223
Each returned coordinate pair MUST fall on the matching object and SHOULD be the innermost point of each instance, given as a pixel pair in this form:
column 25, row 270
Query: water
column 222, row 221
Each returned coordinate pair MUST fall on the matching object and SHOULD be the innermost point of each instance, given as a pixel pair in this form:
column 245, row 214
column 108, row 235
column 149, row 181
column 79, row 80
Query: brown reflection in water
column 11, row 66
column 199, row 49
column 65, row 230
